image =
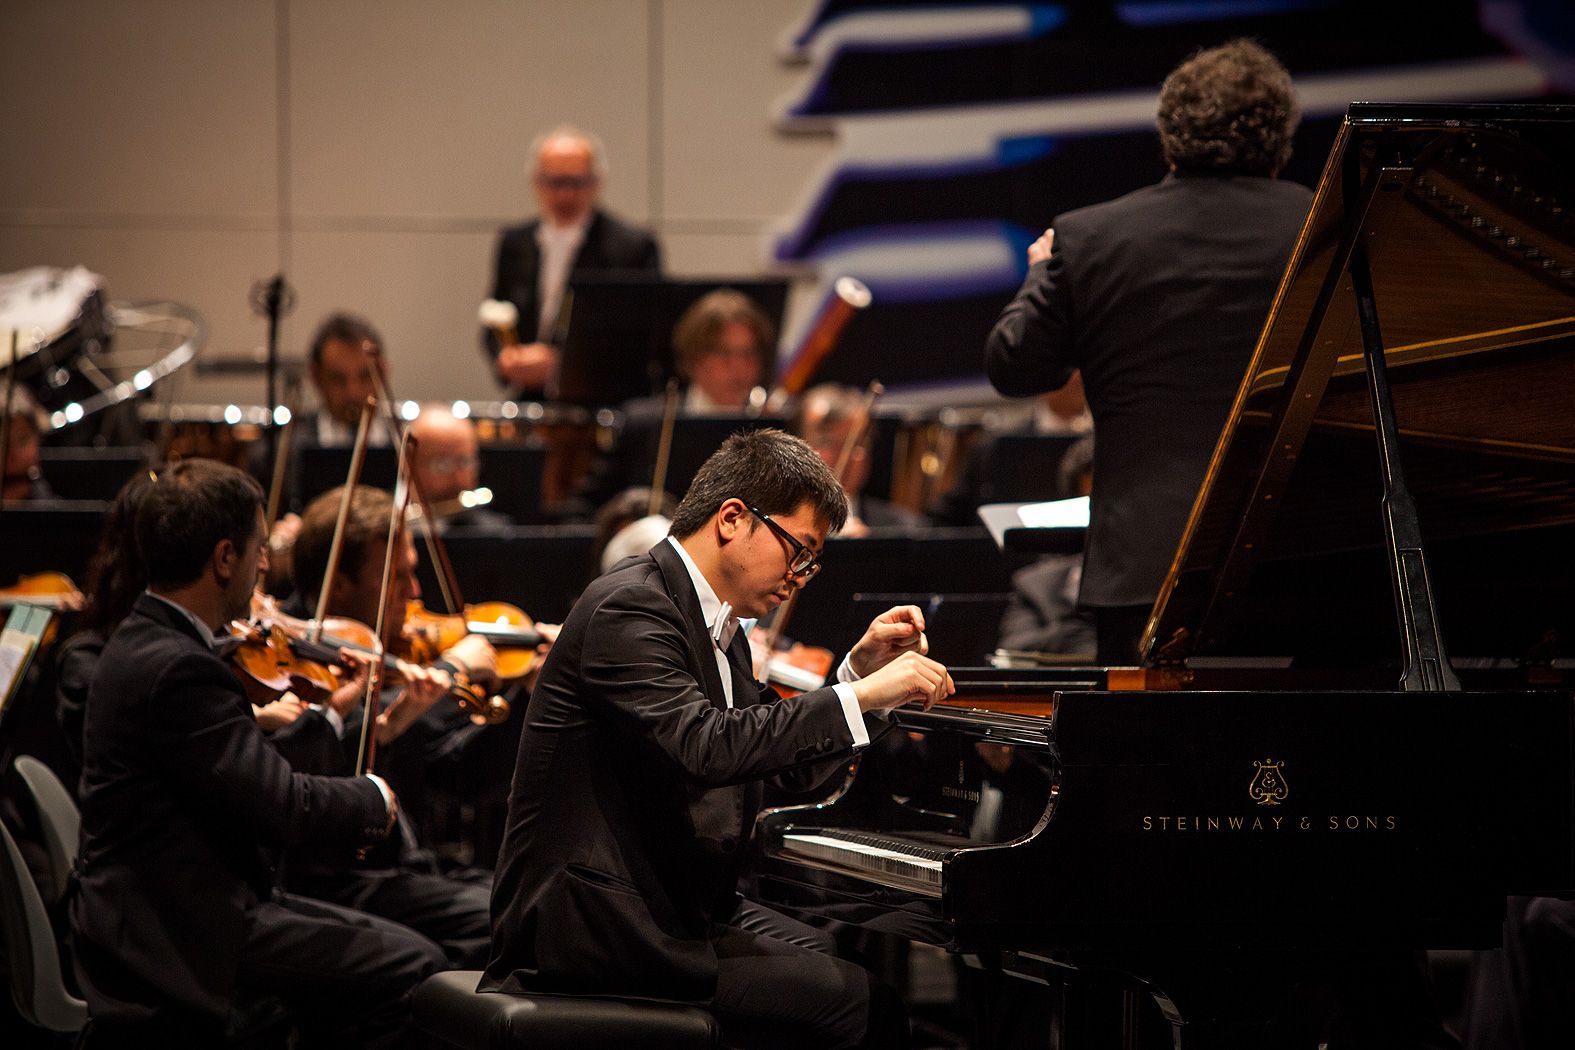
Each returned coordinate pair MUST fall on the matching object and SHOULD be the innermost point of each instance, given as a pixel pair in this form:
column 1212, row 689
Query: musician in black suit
column 644, row 753
column 536, row 259
column 825, row 417
column 1158, row 298
column 173, row 917
column 723, row 345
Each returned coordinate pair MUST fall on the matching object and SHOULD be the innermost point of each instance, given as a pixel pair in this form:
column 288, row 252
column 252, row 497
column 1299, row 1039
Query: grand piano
column 1301, row 769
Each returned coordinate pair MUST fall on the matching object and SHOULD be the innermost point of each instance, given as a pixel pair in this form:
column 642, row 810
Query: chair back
column 59, row 816
column 37, row 986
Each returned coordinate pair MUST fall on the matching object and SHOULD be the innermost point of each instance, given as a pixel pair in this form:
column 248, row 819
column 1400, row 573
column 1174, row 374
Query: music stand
column 618, row 336
column 320, row 468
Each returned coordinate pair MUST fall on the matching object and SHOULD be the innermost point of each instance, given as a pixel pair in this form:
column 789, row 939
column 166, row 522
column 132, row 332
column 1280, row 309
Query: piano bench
column 448, row 1008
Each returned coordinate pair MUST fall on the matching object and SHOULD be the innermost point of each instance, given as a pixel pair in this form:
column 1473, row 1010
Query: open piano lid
column 1467, row 217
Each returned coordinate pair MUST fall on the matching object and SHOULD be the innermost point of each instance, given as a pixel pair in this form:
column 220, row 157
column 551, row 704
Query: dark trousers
column 1523, row 994
column 345, row 978
column 347, row 975
column 779, row 985
column 453, row 913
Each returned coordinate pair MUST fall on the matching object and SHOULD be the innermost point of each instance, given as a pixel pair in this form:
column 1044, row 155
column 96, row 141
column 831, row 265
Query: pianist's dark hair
column 345, row 328
column 770, row 470
column 187, row 511
column 1229, row 110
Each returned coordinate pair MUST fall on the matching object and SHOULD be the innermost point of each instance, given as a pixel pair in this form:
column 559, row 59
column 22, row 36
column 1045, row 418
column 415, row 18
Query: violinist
column 115, row 578
column 399, row 881
column 826, row 418
column 184, row 805
column 446, row 463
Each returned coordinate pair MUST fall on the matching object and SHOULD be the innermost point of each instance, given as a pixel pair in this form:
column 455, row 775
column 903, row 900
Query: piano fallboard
column 1138, row 820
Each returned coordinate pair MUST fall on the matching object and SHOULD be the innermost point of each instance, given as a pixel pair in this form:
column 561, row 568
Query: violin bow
column 366, row 752
column 857, row 435
column 336, row 546
column 281, row 457
column 448, row 582
column 664, row 447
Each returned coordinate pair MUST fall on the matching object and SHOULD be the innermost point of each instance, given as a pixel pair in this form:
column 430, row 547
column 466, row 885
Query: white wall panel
column 419, row 290
column 158, row 108
column 410, row 109
column 721, row 155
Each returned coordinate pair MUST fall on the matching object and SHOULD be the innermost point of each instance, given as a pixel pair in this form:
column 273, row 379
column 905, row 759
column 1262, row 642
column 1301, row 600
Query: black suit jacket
column 184, row 805
column 636, row 791
column 1158, row 297
column 609, row 245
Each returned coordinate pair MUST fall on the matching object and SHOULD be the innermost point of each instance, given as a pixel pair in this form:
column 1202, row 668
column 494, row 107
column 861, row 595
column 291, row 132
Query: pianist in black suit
column 644, row 753
column 1158, row 298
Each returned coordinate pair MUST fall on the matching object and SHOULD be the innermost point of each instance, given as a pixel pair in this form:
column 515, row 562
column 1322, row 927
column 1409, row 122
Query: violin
column 47, row 590
column 52, row 590
column 428, row 634
column 269, row 665
column 341, row 632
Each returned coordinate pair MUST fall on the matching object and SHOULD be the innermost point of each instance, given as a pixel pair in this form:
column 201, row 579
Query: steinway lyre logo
column 1268, row 787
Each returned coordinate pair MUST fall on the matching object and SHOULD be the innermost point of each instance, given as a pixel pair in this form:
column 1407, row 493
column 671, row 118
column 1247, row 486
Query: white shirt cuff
column 335, row 720
column 845, row 671
column 850, row 711
column 388, row 796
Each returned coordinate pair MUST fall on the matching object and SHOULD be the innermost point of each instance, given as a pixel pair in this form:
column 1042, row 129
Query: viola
column 511, row 632
column 341, row 632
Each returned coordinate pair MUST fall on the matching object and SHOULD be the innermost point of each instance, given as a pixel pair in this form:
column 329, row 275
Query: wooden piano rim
column 1040, row 704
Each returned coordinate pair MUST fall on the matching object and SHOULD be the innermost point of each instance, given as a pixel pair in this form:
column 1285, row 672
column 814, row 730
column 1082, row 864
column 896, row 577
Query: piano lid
column 1465, row 214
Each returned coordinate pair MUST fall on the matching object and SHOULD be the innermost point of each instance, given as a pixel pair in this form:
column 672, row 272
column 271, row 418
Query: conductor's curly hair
column 1228, row 110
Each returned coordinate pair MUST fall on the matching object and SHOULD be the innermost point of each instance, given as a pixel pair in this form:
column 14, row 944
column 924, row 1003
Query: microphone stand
column 271, row 299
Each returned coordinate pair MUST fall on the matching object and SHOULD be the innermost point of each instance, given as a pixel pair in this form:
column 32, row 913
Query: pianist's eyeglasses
column 802, row 561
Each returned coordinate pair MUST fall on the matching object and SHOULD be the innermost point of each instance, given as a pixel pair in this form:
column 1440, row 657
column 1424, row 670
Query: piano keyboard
column 888, row 861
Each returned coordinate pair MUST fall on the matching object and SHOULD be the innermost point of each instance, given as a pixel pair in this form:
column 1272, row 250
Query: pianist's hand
column 896, row 631
column 910, row 677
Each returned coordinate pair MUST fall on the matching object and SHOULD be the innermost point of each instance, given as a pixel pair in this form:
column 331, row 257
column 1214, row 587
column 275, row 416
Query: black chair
column 448, row 1008
column 33, row 958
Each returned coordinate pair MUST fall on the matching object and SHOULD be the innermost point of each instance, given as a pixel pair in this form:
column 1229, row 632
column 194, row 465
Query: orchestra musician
column 641, row 768
column 1060, row 412
column 1157, row 298
column 344, row 350
column 340, row 358
column 435, row 746
column 175, row 919
column 826, row 417
column 536, row 259
column 114, row 579
column 446, row 463
column 722, row 349
column 1043, row 615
